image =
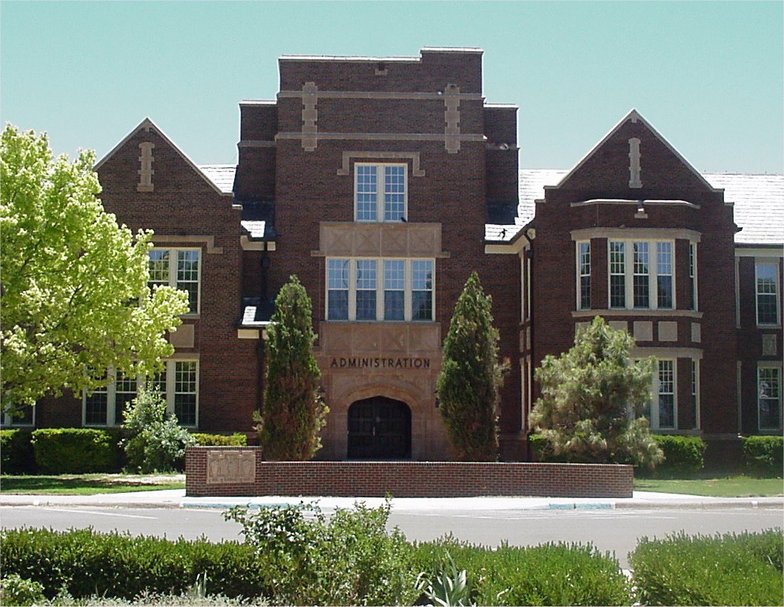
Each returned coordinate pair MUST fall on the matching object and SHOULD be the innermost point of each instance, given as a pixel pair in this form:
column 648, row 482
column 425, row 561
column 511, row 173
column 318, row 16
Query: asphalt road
column 614, row 530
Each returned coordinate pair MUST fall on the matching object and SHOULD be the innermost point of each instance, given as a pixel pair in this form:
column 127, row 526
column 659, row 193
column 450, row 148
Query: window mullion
column 352, row 289
column 407, row 288
column 653, row 275
column 381, row 189
column 380, row 277
column 628, row 270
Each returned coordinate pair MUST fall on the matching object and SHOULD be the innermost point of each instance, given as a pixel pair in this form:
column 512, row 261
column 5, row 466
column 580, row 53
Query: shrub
column 15, row 590
column 762, row 455
column 683, row 455
column 86, row 563
column 74, row 450
column 156, row 443
column 743, row 569
column 348, row 559
column 550, row 574
column 220, row 440
column 16, row 451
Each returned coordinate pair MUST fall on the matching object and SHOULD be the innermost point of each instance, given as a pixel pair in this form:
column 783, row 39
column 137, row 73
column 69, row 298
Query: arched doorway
column 379, row 428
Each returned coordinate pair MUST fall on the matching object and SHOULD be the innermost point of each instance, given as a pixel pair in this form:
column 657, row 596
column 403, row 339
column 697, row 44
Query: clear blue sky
column 708, row 75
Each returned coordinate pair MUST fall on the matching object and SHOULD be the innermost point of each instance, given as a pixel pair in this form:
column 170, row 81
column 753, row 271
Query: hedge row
column 684, row 456
column 77, row 450
column 744, row 569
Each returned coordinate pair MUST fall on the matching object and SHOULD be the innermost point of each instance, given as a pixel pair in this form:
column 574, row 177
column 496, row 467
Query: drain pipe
column 530, row 235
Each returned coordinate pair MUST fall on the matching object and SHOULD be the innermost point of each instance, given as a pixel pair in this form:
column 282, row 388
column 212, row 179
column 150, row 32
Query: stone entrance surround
column 240, row 471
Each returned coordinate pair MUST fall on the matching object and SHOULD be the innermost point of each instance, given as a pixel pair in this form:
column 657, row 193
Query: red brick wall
column 414, row 479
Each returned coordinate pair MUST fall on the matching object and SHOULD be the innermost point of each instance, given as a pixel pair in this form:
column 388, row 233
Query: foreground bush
column 156, row 442
column 763, row 455
column 347, row 559
column 743, row 569
column 85, row 563
column 550, row 574
column 16, row 451
column 75, row 450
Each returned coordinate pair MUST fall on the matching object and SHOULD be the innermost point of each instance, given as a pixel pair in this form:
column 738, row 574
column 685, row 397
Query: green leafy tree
column 74, row 295
column 594, row 398
column 293, row 412
column 471, row 376
column 156, row 442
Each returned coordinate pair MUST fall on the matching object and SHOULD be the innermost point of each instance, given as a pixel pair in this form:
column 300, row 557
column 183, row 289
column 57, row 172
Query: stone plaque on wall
column 229, row 466
column 769, row 344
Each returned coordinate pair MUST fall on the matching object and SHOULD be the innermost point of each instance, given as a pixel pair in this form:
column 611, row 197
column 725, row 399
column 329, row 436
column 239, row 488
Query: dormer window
column 380, row 192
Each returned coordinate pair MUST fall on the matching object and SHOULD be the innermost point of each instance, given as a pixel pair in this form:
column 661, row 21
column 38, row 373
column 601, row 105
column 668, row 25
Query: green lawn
column 729, row 486
column 87, row 484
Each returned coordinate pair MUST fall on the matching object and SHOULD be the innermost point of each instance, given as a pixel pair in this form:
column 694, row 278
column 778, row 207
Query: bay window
column 177, row 384
column 380, row 192
column 641, row 274
column 370, row 289
column 177, row 268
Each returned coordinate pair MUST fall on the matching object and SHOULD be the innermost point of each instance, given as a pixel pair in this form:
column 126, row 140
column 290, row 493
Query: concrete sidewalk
column 177, row 499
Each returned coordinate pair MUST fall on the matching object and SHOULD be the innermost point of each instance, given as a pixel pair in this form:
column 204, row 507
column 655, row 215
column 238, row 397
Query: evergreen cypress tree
column 293, row 412
column 594, row 399
column 471, row 376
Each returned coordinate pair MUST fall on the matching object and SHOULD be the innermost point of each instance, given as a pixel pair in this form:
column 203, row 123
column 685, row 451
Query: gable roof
column 634, row 116
column 150, row 125
column 758, row 204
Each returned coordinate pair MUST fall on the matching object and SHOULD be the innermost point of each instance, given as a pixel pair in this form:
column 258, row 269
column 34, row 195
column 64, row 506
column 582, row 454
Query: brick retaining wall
column 232, row 472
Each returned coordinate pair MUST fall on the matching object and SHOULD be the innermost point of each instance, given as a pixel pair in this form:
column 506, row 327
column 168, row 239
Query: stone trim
column 209, row 241
column 327, row 136
column 667, row 352
column 452, row 119
column 383, row 239
column 634, row 233
column 392, row 95
column 146, row 171
column 309, row 116
column 641, row 203
column 772, row 252
column 633, row 312
column 416, row 171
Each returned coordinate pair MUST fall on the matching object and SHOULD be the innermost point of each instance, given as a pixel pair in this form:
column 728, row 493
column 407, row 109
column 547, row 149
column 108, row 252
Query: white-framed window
column 373, row 289
column 769, row 397
column 767, row 292
column 693, row 275
column 178, row 384
column 24, row 417
column 180, row 269
column 584, row 275
column 641, row 274
column 663, row 413
column 380, row 192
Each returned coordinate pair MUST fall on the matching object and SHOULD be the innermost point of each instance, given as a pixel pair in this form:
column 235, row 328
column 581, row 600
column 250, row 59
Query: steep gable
column 147, row 160
column 634, row 161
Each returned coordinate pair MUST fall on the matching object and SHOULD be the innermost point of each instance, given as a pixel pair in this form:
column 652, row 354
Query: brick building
column 382, row 183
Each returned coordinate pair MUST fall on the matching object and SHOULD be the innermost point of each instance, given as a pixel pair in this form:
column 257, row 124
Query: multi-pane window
column 178, row 268
column 337, row 289
column 769, row 397
column 643, row 279
column 22, row 416
column 177, row 384
column 693, row 274
column 695, row 391
column 394, row 289
column 380, row 192
column 380, row 289
column 617, row 275
column 186, row 382
column 422, row 289
column 584, row 275
column 767, row 293
column 665, row 417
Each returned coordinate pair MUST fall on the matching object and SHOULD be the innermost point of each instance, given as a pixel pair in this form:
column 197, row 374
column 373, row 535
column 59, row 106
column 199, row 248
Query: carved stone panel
column 230, row 467
column 769, row 344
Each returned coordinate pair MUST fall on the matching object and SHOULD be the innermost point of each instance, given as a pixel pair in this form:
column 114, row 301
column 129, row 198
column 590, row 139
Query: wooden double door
column 379, row 428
